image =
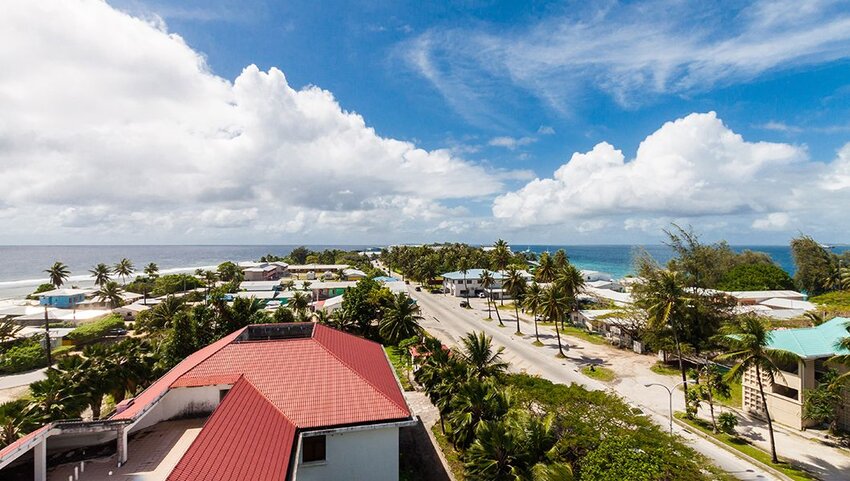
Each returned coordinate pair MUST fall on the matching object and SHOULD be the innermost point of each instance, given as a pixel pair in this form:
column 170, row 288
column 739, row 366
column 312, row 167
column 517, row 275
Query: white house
column 261, row 413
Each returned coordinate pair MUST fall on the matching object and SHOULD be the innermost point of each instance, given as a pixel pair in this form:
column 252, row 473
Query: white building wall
column 183, row 402
column 366, row 455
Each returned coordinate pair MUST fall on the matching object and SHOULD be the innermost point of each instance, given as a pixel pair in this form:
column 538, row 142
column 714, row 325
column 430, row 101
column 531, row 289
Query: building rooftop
column 766, row 294
column 286, row 378
column 318, row 267
column 64, row 292
column 476, row 274
column 812, row 342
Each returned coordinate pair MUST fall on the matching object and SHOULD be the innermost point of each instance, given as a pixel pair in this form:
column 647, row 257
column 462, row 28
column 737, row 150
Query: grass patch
column 507, row 307
column 744, row 446
column 399, row 363
column 599, row 373
column 93, row 331
column 735, row 398
column 452, row 456
column 665, row 369
column 577, row 332
column 833, row 303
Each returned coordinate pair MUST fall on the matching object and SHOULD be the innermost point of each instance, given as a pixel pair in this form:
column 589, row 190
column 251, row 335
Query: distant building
column 297, row 401
column 264, row 272
column 129, row 312
column 460, row 284
column 63, row 298
column 786, row 394
column 353, row 274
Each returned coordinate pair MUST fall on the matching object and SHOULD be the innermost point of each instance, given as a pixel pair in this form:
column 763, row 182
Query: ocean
column 22, row 267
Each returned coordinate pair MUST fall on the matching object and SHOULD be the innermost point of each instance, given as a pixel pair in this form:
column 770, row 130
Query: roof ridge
column 272, row 403
column 357, row 373
column 234, row 334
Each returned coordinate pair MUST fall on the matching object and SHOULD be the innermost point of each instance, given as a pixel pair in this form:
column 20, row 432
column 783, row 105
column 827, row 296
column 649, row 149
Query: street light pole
column 670, row 393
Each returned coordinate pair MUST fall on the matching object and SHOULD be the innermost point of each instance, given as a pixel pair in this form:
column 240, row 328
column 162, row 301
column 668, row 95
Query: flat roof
column 318, row 267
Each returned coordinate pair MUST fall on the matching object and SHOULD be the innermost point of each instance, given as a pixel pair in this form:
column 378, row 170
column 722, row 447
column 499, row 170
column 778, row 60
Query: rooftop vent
column 270, row 332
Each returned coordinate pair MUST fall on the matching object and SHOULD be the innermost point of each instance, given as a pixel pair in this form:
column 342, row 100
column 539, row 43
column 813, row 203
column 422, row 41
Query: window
column 222, row 393
column 312, row 449
column 784, row 391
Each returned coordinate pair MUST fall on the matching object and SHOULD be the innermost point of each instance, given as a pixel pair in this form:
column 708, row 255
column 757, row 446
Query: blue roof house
column 62, row 298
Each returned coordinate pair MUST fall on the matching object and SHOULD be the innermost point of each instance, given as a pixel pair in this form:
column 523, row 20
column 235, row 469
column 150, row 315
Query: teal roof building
column 813, row 342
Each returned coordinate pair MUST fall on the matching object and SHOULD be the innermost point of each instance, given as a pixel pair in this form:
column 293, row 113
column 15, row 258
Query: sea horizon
column 22, row 266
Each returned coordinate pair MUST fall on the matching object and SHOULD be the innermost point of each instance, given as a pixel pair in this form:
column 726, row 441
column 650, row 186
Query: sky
column 258, row 122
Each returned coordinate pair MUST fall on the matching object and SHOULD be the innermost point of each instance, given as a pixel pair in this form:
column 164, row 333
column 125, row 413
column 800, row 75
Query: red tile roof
column 161, row 386
column 246, row 439
column 281, row 385
column 21, row 443
column 330, row 379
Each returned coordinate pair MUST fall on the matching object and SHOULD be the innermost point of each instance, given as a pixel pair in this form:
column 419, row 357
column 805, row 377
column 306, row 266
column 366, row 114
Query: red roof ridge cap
column 254, row 387
column 373, row 386
column 132, row 400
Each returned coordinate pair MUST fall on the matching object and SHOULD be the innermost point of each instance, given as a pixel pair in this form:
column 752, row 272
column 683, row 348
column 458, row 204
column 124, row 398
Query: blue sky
column 512, row 91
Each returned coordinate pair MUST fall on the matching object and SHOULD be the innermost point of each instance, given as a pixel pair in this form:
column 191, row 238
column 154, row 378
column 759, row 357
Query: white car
column 482, row 295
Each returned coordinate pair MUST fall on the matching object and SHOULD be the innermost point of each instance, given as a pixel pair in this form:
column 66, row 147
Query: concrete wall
column 183, row 402
column 369, row 455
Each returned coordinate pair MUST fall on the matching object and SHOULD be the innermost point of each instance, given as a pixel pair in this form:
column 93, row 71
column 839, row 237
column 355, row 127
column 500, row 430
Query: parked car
column 482, row 295
column 464, row 304
column 436, row 291
column 417, row 289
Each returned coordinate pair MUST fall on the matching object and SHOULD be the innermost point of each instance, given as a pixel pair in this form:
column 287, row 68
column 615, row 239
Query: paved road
column 24, row 379
column 449, row 322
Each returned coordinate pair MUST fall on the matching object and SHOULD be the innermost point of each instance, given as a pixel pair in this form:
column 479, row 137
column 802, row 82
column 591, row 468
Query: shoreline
column 20, row 289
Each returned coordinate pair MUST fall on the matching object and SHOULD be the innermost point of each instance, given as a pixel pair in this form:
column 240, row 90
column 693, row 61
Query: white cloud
column 631, row 51
column 546, row 130
column 110, row 120
column 773, row 221
column 694, row 166
column 511, row 143
column 780, row 127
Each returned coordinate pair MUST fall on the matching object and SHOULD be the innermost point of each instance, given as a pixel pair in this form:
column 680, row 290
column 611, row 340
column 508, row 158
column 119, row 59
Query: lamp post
column 670, row 393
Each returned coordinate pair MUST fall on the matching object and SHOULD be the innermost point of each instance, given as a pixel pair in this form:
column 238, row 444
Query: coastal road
column 24, row 379
column 445, row 319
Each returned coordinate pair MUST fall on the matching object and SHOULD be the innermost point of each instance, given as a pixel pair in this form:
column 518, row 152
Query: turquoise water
column 617, row 259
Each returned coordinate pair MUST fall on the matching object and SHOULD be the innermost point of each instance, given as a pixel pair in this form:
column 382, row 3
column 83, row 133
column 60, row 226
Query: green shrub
column 727, row 422
column 164, row 285
column 62, row 351
column 38, row 290
column 23, row 355
column 95, row 330
column 756, row 277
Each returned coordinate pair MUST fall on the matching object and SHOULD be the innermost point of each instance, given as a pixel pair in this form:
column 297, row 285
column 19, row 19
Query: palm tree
column 478, row 352
column 299, row 302
column 554, row 305
column 474, row 402
column 532, row 303
column 748, row 341
column 515, row 284
column 287, row 285
column 400, row 320
column 463, row 267
column 545, row 272
column 111, row 294
column 9, row 330
column 123, row 269
column 570, row 280
column 58, row 274
column 666, row 298
column 501, row 255
column 487, row 282
column 560, row 259
column 152, row 270
column 100, row 273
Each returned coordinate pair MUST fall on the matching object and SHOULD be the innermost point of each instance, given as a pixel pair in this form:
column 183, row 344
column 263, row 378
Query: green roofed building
column 814, row 346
